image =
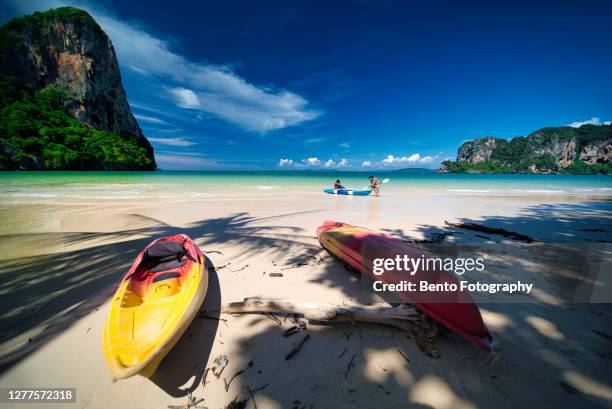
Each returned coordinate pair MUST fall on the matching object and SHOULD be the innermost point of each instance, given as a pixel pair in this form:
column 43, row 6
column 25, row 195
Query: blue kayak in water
column 348, row 192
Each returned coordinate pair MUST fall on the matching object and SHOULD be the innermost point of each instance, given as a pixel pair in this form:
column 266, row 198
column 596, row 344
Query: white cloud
column 220, row 91
column 392, row 160
column 343, row 163
column 178, row 141
column 184, row 98
column 180, row 161
column 344, row 145
column 285, row 163
column 151, row 119
column 427, row 159
column 367, row 164
column 311, row 161
column 139, row 70
column 415, row 158
column 593, row 121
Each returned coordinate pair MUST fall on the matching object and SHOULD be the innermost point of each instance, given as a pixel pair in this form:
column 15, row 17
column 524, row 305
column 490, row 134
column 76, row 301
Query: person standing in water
column 374, row 185
column 337, row 185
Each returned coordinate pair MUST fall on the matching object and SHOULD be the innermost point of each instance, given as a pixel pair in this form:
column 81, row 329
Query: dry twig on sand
column 297, row 348
column 491, row 230
column 403, row 316
column 240, row 372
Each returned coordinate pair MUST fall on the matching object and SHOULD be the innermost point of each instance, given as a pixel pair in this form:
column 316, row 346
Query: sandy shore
column 60, row 268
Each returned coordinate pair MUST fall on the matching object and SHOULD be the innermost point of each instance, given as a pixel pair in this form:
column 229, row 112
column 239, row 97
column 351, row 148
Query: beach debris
column 602, row 334
column 219, row 365
column 308, row 260
column 240, row 269
column 237, row 404
column 252, row 397
column 343, row 352
column 491, row 230
column 350, row 366
column 222, row 267
column 347, row 335
column 204, row 316
column 327, row 313
column 204, row 377
column 275, row 275
column 384, row 389
column 297, row 348
column 213, row 251
column 419, row 327
column 245, row 345
column 274, row 318
column 260, row 388
column 403, row 355
column 426, row 346
column 192, row 403
column 294, row 329
column 88, row 329
column 568, row 388
column 240, row 372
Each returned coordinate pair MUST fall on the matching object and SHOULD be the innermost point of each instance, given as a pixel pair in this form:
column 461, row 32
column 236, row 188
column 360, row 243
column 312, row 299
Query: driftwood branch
column 401, row 316
column 491, row 230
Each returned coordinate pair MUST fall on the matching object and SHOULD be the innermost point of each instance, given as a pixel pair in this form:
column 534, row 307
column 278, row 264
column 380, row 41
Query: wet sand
column 61, row 264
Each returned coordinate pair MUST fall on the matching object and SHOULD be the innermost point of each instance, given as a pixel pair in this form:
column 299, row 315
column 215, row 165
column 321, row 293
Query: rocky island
column 62, row 103
column 583, row 150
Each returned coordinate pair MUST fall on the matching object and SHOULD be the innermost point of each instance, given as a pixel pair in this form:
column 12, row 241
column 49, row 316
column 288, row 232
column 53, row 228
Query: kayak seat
column 165, row 251
column 166, row 255
column 169, row 265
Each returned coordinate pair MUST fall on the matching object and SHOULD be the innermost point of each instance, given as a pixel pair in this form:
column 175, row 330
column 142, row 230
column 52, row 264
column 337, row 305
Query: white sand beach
column 61, row 270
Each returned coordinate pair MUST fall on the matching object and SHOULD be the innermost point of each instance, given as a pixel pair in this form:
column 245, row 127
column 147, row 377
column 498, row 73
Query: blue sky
column 350, row 85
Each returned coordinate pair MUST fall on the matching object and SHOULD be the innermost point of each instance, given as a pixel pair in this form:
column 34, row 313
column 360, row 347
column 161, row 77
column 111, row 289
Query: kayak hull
column 155, row 303
column 456, row 311
column 348, row 192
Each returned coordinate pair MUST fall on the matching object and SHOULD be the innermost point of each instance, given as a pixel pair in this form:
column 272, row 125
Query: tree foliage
column 36, row 132
column 524, row 154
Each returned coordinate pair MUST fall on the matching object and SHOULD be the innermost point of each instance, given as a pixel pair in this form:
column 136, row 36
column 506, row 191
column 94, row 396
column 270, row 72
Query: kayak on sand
column 155, row 303
column 455, row 310
column 349, row 192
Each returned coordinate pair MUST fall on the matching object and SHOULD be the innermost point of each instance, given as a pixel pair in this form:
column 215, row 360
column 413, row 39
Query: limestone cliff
column 66, row 48
column 544, row 151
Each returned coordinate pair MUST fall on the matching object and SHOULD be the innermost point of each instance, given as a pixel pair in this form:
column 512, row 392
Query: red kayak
column 455, row 310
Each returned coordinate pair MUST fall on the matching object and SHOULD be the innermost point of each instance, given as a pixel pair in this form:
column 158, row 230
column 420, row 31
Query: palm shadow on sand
column 548, row 349
column 181, row 371
column 44, row 295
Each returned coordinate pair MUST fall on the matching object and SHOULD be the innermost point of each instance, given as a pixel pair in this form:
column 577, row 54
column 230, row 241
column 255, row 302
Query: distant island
column 62, row 104
column 583, row 150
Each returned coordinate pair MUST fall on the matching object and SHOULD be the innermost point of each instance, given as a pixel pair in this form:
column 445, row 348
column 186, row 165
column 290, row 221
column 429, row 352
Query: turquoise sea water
column 42, row 187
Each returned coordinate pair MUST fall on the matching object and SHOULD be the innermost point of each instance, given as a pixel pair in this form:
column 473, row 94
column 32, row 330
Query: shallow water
column 62, row 187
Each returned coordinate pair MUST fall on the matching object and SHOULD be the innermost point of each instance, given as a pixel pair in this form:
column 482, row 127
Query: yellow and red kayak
column 456, row 310
column 155, row 303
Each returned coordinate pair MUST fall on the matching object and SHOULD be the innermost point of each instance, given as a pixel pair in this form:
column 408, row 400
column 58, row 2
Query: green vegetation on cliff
column 9, row 32
column 545, row 162
column 36, row 132
column 582, row 150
